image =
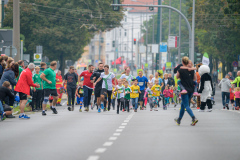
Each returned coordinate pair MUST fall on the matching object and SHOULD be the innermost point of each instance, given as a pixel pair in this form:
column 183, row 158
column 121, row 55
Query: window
column 125, row 47
column 125, row 33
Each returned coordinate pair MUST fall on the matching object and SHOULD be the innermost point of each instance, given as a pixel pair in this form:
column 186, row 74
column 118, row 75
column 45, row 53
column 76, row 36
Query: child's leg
column 122, row 103
column 195, row 86
column 80, row 101
column 118, row 104
column 180, row 85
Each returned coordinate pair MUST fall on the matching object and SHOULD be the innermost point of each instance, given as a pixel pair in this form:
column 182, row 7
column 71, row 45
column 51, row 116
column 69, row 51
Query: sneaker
column 69, row 108
column 86, row 109
column 54, row 111
column 209, row 110
column 59, row 104
column 223, row 107
column 155, row 110
column 24, row 116
column 150, row 109
column 72, row 108
column 80, row 110
column 102, row 106
column 99, row 110
column 227, row 106
column 43, row 113
column 236, row 108
column 3, row 116
column 177, row 120
column 196, row 94
column 184, row 91
column 123, row 110
column 135, row 110
column 10, row 116
column 194, row 121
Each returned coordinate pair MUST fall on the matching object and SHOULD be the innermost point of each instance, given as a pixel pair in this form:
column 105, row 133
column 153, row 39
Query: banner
column 205, row 59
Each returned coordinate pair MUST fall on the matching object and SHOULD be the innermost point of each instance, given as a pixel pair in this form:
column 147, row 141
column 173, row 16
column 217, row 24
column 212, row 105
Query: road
column 127, row 136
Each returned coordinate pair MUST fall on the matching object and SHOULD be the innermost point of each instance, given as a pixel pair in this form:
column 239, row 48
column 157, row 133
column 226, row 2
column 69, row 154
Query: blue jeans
column 1, row 107
column 135, row 102
column 87, row 96
column 227, row 95
column 185, row 104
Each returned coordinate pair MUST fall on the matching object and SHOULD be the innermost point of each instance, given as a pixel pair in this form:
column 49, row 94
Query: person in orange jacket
column 58, row 86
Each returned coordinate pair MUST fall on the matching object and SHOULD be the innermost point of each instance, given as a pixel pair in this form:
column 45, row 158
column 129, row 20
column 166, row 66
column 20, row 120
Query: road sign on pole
column 37, row 57
column 163, row 47
column 11, row 51
column 235, row 64
column 172, row 41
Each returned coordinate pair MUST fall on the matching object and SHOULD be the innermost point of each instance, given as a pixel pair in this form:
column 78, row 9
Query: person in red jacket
column 23, row 87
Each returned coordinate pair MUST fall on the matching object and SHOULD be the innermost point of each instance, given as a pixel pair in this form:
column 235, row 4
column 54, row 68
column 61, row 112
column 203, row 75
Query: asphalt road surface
column 127, row 136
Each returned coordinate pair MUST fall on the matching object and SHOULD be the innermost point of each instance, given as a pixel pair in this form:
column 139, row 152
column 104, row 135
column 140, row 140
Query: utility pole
column 179, row 41
column 193, row 33
column 169, row 32
column 132, row 64
column 99, row 46
column 115, row 52
column 160, row 55
column 153, row 41
column 16, row 28
column 146, row 42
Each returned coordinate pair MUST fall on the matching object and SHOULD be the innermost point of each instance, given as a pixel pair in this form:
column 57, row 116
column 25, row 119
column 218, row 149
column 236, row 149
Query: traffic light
column 113, row 43
column 151, row 8
column 116, row 8
column 134, row 41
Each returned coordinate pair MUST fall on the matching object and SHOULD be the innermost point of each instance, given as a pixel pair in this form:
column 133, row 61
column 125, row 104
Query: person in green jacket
column 21, row 68
column 237, row 79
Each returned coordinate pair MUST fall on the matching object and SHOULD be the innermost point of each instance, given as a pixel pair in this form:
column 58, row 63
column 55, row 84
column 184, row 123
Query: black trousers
column 127, row 101
column 37, row 99
column 71, row 95
column 208, row 103
column 120, row 102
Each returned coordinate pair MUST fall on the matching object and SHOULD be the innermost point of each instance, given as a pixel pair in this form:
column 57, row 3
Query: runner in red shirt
column 87, row 86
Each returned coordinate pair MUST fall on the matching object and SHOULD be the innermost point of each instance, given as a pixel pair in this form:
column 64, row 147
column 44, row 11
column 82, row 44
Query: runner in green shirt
column 21, row 68
column 127, row 95
column 49, row 86
column 37, row 92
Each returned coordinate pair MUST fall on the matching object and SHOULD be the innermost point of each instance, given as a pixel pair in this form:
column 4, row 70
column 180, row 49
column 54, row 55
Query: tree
column 56, row 25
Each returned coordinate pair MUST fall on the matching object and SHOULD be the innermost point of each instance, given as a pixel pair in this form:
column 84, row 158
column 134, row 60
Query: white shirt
column 107, row 80
column 120, row 91
column 129, row 78
column 165, row 81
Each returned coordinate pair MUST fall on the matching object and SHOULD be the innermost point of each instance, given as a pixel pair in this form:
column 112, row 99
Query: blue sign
column 235, row 64
column 163, row 47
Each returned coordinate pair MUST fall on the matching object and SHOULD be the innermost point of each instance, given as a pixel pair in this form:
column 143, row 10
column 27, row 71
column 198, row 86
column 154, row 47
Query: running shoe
column 80, row 110
column 69, row 108
column 43, row 113
column 177, row 120
column 54, row 111
column 236, row 108
column 196, row 94
column 91, row 107
column 209, row 110
column 227, row 106
column 223, row 107
column 135, row 110
column 155, row 110
column 3, row 116
column 99, row 110
column 86, row 109
column 24, row 116
column 72, row 108
column 123, row 109
column 102, row 106
column 194, row 121
column 184, row 91
column 150, row 109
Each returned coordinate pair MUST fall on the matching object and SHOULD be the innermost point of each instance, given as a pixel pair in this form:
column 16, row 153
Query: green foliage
column 62, row 26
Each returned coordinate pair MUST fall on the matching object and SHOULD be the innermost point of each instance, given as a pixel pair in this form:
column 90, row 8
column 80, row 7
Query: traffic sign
column 11, row 51
column 163, row 47
column 37, row 57
column 235, row 64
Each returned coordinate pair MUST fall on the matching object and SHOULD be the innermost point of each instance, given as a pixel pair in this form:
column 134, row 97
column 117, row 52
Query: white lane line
column 100, row 150
column 64, row 102
column 119, row 130
column 113, row 138
column 122, row 127
column 106, row 144
column 126, row 121
column 116, row 134
column 124, row 124
column 93, row 158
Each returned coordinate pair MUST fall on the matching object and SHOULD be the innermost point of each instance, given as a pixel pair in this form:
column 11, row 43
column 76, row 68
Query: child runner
column 150, row 97
column 190, row 68
column 127, row 95
column 237, row 97
column 172, row 95
column 232, row 97
column 156, row 89
column 37, row 95
column 113, row 97
column 79, row 93
column 120, row 95
column 135, row 94
column 166, row 94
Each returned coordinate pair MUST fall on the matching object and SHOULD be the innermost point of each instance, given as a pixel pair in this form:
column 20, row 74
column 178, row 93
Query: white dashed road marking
column 100, row 150
column 107, row 144
column 116, row 134
column 93, row 158
column 113, row 138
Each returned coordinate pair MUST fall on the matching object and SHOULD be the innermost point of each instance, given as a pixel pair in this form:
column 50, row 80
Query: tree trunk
column 223, row 68
column 62, row 64
column 211, row 64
